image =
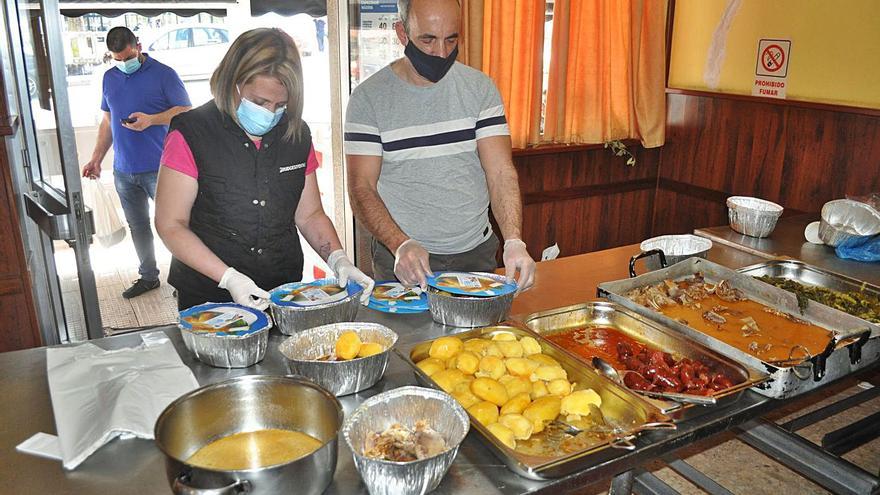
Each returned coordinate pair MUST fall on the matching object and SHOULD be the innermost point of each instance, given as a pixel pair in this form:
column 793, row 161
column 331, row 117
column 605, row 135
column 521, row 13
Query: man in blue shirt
column 140, row 96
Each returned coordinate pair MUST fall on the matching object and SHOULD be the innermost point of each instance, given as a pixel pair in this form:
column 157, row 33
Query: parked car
column 192, row 50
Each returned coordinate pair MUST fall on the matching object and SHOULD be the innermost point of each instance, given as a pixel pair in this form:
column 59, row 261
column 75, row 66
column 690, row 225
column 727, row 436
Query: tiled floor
column 743, row 470
column 115, row 269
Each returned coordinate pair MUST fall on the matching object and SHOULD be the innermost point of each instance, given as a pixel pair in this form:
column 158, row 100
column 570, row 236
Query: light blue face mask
column 256, row 120
column 129, row 66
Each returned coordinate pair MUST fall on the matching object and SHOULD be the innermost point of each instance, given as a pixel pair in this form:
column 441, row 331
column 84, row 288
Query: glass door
column 52, row 194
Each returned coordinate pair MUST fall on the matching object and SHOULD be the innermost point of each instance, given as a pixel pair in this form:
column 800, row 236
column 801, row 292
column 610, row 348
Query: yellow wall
column 835, row 47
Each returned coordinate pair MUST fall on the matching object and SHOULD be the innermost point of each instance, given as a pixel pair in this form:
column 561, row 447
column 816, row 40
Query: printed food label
column 468, row 282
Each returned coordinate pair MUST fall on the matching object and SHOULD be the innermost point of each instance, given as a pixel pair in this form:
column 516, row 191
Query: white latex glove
column 411, row 265
column 244, row 291
column 516, row 258
column 345, row 271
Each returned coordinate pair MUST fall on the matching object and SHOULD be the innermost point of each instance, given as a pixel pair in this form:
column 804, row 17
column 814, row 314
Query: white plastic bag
column 109, row 229
column 98, row 395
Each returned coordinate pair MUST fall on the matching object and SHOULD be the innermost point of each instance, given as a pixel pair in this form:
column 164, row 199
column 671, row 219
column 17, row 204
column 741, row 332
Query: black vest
column 247, row 198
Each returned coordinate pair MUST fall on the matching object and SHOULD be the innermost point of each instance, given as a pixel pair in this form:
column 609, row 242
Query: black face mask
column 428, row 66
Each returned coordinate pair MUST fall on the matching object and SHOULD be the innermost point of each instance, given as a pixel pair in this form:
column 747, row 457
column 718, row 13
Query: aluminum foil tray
column 619, row 405
column 227, row 351
column 845, row 220
column 292, row 319
column 843, row 355
column 676, row 248
column 752, row 216
column 405, row 405
column 339, row 377
column 651, row 333
column 469, row 312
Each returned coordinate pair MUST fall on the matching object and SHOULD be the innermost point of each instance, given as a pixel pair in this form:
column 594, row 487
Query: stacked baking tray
column 843, row 355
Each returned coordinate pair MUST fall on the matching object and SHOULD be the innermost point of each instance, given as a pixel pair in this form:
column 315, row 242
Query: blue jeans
column 133, row 190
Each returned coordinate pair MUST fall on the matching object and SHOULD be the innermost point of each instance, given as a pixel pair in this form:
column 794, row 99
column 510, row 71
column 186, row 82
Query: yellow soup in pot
column 254, row 449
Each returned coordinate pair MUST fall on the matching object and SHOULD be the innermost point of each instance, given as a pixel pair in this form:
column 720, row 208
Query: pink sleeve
column 312, row 162
column 177, row 155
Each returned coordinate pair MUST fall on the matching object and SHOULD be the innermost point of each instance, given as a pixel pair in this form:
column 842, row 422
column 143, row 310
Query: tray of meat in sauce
column 749, row 321
column 649, row 356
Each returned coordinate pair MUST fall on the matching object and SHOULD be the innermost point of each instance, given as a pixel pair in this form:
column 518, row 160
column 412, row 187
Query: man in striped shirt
column 428, row 151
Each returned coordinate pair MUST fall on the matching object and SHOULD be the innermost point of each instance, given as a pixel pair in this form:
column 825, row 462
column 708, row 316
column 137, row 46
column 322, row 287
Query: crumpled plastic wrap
column 98, row 395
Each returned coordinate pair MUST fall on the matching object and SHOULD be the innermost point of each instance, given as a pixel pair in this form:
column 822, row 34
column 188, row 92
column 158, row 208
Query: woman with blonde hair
column 237, row 182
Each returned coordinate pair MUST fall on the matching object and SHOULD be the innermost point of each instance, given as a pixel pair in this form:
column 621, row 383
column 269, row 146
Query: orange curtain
column 511, row 37
column 471, row 49
column 607, row 72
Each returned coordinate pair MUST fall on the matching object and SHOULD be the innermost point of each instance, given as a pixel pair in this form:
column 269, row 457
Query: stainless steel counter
column 787, row 240
column 136, row 466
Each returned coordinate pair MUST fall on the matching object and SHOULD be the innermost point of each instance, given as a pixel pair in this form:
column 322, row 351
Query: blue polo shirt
column 152, row 89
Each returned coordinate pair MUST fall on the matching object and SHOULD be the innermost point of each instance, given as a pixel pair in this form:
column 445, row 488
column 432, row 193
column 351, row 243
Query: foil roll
column 752, row 216
column 676, row 248
column 293, row 319
column 405, row 405
column 845, row 220
column 339, row 377
column 469, row 312
column 227, row 351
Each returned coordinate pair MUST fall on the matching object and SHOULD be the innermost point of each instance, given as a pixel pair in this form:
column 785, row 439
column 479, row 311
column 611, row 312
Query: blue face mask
column 256, row 120
column 129, row 66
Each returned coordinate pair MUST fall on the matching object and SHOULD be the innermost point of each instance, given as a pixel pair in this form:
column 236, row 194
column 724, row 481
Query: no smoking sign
column 773, row 58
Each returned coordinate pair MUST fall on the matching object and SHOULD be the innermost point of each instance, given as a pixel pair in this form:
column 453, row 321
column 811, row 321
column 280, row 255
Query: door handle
column 53, row 217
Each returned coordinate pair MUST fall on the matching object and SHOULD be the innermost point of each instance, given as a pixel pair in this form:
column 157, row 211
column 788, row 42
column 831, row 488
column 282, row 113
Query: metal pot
column 249, row 403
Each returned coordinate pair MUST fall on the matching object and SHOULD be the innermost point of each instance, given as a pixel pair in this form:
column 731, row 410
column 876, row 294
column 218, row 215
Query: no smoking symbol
column 773, row 58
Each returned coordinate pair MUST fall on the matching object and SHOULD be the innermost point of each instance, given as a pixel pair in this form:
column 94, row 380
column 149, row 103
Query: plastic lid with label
column 223, row 319
column 315, row 293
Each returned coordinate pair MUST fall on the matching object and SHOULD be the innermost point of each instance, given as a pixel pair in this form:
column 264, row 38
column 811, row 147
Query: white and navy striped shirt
column 432, row 181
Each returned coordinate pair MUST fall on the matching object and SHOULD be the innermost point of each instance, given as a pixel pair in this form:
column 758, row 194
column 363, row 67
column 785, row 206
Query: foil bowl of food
column 458, row 309
column 297, row 306
column 676, row 248
column 753, row 217
column 404, row 440
column 225, row 437
column 845, row 220
column 225, row 335
column 344, row 358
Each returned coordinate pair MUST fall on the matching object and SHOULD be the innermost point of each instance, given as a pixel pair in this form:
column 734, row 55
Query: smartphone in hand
column 128, row 120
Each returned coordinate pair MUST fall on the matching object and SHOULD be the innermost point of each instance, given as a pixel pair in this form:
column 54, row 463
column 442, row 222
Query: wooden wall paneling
column 724, row 145
column 17, row 311
column 20, row 330
column 829, row 155
column 16, row 323
column 589, row 224
column 9, row 261
column 797, row 156
column 678, row 213
column 586, row 200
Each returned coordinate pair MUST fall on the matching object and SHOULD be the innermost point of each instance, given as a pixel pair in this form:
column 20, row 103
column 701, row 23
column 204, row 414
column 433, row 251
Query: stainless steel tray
column 641, row 329
column 842, row 356
column 619, row 405
column 799, row 271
